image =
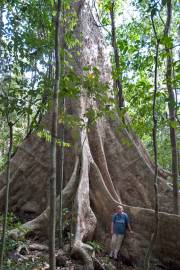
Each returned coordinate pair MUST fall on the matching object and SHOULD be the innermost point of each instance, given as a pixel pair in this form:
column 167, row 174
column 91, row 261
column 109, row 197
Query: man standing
column 120, row 222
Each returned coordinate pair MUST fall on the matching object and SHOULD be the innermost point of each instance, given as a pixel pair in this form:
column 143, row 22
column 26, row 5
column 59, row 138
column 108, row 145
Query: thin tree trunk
column 116, row 57
column 62, row 104
column 156, row 225
column 3, row 240
column 1, row 31
column 52, row 236
column 172, row 110
column 61, row 187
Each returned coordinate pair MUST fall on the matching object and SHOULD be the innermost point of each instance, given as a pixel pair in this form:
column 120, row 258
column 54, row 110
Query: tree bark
column 118, row 76
column 3, row 240
column 52, row 235
column 172, row 110
column 62, row 136
column 155, row 114
column 60, row 223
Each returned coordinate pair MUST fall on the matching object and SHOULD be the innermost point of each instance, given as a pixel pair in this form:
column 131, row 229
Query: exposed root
column 83, row 252
column 100, row 159
column 40, row 223
column 85, row 220
column 94, row 199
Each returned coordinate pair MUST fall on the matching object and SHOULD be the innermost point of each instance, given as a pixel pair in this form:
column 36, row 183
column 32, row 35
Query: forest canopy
column 27, row 44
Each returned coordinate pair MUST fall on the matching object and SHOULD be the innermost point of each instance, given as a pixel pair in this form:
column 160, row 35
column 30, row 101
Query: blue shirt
column 120, row 222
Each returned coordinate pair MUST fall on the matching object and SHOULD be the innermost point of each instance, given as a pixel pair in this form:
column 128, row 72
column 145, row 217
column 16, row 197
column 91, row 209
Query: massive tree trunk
column 103, row 167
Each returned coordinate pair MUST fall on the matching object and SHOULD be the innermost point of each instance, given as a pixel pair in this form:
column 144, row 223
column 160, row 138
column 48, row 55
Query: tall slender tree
column 52, row 260
column 60, row 219
column 3, row 240
column 154, row 135
column 171, row 106
column 118, row 76
column 62, row 104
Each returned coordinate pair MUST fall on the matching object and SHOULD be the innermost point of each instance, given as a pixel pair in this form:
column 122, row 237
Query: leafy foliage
column 98, row 247
column 136, row 44
column 12, row 245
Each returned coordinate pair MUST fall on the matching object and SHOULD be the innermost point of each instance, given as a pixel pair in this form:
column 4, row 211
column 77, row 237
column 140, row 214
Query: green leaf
column 167, row 41
column 173, row 124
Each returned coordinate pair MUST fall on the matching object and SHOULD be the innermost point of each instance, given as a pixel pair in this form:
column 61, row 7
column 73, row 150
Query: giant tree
column 105, row 164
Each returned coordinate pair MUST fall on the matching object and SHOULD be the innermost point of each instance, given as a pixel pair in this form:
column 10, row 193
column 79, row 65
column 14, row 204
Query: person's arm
column 129, row 228
column 128, row 224
column 112, row 227
column 112, row 224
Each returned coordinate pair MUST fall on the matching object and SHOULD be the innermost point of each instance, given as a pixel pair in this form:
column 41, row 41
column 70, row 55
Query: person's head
column 119, row 209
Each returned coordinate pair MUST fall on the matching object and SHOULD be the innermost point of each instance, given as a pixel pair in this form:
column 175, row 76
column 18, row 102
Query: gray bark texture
column 104, row 166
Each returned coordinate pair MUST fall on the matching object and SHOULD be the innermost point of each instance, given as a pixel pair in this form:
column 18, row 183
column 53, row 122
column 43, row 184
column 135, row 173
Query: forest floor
column 32, row 254
column 28, row 255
